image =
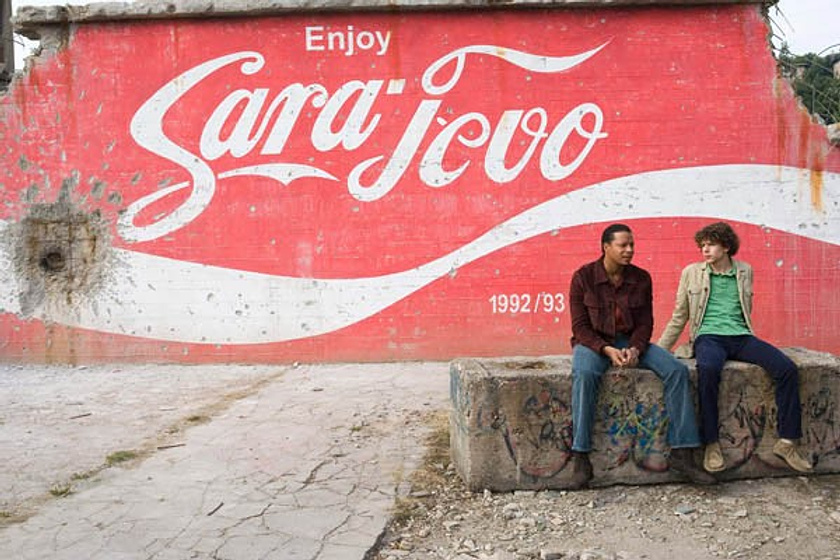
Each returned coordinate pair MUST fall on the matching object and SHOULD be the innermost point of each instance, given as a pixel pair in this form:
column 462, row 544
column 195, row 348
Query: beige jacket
column 692, row 297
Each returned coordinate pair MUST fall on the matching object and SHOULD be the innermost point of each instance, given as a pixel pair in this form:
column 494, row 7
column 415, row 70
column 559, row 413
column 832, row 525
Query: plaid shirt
column 595, row 302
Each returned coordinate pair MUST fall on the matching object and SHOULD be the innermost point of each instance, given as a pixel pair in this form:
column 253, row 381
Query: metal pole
column 827, row 48
column 7, row 54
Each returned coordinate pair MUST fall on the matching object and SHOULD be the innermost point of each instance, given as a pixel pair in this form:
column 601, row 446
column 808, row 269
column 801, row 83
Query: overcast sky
column 809, row 25
column 806, row 25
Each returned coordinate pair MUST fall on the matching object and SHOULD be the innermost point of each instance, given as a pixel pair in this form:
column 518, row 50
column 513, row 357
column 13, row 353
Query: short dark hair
column 609, row 233
column 720, row 233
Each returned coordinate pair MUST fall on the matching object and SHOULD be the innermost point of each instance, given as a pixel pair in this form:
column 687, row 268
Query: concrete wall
column 511, row 422
column 294, row 185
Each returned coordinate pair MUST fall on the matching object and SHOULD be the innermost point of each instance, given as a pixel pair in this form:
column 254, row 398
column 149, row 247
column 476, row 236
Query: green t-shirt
column 724, row 315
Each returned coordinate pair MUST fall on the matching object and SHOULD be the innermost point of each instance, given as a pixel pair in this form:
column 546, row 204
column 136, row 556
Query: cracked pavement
column 224, row 462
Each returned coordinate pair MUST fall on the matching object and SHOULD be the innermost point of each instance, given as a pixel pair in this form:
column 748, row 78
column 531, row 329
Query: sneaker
column 713, row 458
column 682, row 460
column 581, row 471
column 788, row 451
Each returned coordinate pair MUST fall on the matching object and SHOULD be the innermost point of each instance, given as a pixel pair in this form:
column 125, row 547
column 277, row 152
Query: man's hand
column 616, row 356
column 624, row 357
column 631, row 356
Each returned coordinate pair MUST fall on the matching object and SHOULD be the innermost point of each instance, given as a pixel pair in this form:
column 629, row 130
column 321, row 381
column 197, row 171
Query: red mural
column 396, row 186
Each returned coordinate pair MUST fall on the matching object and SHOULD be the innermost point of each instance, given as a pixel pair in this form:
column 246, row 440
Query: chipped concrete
column 60, row 253
column 213, row 8
column 235, row 462
column 30, row 20
column 834, row 134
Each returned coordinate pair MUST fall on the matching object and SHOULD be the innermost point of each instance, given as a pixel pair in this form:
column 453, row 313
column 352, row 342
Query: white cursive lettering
column 248, row 121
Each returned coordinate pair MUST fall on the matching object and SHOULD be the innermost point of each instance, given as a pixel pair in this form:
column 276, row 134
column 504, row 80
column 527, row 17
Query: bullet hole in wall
column 60, row 254
column 53, row 260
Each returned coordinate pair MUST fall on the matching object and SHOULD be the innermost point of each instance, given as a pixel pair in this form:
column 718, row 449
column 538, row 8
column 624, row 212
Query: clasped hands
column 622, row 357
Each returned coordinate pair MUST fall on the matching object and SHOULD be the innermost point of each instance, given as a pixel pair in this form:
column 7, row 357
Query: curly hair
column 720, row 233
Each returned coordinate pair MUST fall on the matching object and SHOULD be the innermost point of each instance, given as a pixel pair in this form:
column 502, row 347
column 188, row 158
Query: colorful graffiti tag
column 343, row 187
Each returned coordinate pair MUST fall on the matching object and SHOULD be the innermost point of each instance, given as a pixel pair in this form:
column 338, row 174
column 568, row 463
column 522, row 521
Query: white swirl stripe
column 534, row 62
column 281, row 172
column 166, row 299
column 526, row 61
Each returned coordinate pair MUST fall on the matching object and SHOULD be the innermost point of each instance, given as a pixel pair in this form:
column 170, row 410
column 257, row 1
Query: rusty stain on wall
column 809, row 152
column 809, row 157
column 779, row 85
column 817, row 188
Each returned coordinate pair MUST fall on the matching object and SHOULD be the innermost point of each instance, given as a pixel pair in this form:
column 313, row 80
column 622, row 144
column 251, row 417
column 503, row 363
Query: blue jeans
column 587, row 369
column 713, row 350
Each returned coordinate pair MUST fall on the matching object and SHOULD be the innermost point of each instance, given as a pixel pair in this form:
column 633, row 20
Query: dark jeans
column 713, row 350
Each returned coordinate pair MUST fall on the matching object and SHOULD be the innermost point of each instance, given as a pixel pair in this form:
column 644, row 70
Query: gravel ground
column 44, row 439
column 781, row 518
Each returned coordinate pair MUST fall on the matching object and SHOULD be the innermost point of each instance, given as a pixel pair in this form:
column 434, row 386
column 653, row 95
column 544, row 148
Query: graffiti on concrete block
column 540, row 440
column 630, row 417
column 820, row 422
column 635, row 422
column 743, row 422
column 748, row 415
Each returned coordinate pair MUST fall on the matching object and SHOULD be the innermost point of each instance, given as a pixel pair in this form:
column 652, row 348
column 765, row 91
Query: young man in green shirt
column 715, row 298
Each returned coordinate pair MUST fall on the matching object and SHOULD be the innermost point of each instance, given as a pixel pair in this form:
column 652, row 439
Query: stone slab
column 511, row 422
column 111, row 11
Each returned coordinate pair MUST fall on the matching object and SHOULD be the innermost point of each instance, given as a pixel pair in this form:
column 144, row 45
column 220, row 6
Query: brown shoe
column 788, row 451
column 682, row 460
column 713, row 458
column 581, row 471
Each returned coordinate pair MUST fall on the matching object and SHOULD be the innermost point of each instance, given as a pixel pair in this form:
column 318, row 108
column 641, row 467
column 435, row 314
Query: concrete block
column 511, row 422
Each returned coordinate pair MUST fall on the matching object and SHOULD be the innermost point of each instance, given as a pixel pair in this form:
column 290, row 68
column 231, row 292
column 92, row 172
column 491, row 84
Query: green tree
column 813, row 80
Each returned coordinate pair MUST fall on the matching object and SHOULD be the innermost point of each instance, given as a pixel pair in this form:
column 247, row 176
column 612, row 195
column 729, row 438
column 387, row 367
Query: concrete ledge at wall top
column 29, row 18
column 510, row 423
column 834, row 134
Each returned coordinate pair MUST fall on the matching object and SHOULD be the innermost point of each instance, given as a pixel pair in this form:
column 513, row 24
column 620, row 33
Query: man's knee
column 789, row 371
column 675, row 372
column 783, row 367
column 588, row 376
column 681, row 369
column 707, row 377
column 586, row 365
column 708, row 369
